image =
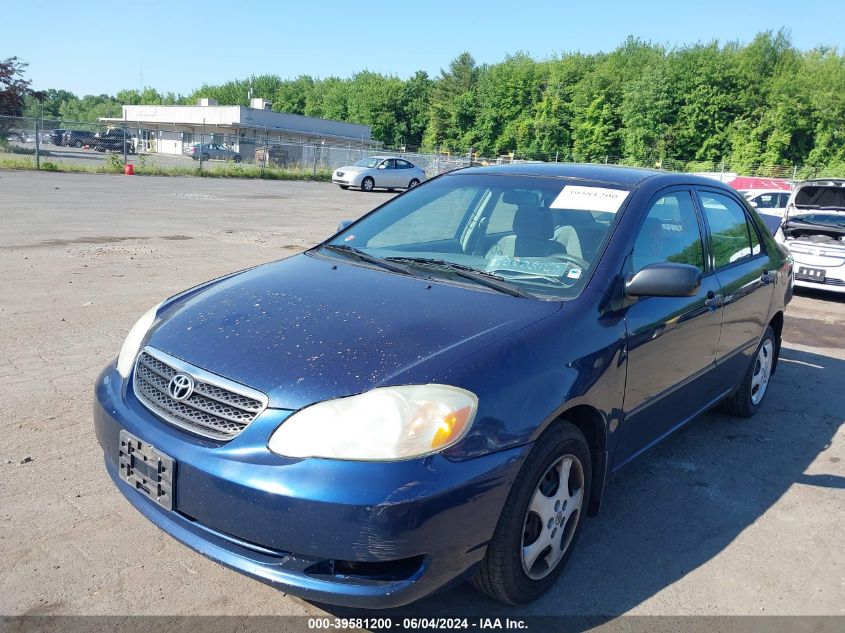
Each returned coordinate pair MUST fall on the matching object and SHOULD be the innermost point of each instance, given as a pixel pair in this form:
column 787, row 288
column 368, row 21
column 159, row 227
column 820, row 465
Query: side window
column 784, row 198
column 670, row 233
column 391, row 164
column 766, row 201
column 402, row 164
column 730, row 232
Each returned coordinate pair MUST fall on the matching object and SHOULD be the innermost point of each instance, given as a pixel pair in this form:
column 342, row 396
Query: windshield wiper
column 355, row 253
column 480, row 277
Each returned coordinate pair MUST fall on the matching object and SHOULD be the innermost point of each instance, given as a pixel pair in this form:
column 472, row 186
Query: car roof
column 606, row 174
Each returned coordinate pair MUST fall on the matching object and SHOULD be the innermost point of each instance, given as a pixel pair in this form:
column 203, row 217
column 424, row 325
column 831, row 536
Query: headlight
column 133, row 341
column 387, row 423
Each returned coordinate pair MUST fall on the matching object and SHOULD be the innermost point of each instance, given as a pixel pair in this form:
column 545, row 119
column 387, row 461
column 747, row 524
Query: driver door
column 386, row 173
column 671, row 341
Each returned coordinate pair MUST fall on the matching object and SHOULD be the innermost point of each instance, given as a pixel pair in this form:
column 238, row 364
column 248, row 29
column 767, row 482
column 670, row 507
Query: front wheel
column 541, row 520
column 748, row 397
column 413, row 183
column 368, row 184
column 237, row 158
column 206, row 157
column 78, row 145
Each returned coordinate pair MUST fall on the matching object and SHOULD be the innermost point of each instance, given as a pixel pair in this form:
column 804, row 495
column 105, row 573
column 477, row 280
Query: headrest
column 533, row 222
column 521, row 198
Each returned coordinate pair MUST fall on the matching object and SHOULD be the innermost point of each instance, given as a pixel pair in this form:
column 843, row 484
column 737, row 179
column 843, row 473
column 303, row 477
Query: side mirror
column 383, row 166
column 665, row 279
column 754, row 203
column 343, row 224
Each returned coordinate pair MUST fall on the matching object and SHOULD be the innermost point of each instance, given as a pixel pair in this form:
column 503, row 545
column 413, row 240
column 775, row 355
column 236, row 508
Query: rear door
column 672, row 341
column 744, row 270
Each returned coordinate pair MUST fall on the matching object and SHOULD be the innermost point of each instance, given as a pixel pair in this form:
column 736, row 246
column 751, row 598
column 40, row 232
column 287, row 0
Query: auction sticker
column 583, row 198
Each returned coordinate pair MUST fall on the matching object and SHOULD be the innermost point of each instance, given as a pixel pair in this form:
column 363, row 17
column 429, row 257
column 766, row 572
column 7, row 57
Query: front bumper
column 410, row 527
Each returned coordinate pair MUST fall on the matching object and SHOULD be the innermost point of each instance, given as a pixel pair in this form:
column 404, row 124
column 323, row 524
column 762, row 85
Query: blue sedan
column 442, row 390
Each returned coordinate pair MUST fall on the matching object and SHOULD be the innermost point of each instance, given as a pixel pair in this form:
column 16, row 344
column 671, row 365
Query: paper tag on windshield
column 589, row 199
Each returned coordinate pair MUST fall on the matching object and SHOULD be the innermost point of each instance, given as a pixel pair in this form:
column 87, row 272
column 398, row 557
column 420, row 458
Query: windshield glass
column 836, row 220
column 368, row 162
column 540, row 234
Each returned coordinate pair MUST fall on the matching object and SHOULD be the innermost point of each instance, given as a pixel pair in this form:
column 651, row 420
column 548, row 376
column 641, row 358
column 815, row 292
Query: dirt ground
column 727, row 517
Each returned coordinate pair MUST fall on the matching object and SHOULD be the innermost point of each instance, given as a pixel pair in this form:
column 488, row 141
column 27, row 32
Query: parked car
column 214, row 151
column 56, row 137
column 384, row 172
column 78, row 138
column 770, row 204
column 275, row 155
column 113, row 140
column 442, row 389
column 813, row 230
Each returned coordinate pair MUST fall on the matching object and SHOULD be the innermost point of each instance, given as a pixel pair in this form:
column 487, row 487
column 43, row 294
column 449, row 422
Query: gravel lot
column 727, row 517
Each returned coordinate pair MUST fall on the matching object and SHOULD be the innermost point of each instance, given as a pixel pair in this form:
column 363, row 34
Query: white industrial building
column 175, row 129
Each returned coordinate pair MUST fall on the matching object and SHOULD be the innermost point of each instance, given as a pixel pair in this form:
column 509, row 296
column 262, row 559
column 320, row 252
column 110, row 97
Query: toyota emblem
column 181, row 387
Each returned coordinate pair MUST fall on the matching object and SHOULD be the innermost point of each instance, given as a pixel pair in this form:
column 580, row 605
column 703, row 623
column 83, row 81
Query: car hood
column 307, row 329
column 353, row 169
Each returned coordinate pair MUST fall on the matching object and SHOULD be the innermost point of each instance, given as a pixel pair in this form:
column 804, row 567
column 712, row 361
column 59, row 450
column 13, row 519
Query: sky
column 94, row 47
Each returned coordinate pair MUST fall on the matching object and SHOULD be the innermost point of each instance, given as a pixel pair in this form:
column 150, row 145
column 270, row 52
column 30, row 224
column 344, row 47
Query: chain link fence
column 60, row 144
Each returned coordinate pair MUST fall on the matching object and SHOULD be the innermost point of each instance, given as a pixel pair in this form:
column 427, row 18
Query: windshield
column 368, row 162
column 541, row 235
column 836, row 220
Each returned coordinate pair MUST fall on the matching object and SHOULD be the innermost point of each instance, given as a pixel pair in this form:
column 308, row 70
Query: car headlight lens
column 388, row 423
column 133, row 341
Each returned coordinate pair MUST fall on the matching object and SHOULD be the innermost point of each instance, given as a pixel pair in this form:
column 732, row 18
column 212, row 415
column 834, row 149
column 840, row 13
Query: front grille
column 217, row 408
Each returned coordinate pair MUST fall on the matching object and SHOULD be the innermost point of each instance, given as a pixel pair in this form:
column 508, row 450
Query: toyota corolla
column 442, row 390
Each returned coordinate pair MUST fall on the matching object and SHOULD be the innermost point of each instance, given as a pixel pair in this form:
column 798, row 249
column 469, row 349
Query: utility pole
column 124, row 136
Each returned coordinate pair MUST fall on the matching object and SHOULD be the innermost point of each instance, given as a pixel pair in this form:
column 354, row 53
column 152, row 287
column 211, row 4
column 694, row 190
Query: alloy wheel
column 552, row 516
column 762, row 371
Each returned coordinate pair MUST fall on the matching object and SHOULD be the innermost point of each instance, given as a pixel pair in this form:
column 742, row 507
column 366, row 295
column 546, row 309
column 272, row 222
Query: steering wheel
column 583, row 263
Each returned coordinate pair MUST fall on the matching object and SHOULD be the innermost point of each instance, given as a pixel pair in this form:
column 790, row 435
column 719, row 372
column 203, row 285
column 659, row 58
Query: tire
column 206, row 157
column 237, row 158
column 344, row 186
column 414, row 182
column 504, row 573
column 749, row 395
column 78, row 145
column 368, row 184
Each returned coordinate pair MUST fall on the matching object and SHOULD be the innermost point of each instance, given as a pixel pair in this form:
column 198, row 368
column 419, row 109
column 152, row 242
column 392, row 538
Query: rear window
column 820, row 197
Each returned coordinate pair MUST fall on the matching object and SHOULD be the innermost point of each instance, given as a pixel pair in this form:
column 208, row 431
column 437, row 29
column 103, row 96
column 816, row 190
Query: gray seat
column 533, row 231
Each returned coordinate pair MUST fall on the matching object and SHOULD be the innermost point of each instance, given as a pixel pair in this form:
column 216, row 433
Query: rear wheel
column 368, row 184
column 541, row 520
column 206, row 157
column 748, row 397
column 78, row 144
column 237, row 158
column 413, row 183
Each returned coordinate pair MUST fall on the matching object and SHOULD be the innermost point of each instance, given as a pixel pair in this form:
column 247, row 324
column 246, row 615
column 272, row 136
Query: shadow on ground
column 684, row 502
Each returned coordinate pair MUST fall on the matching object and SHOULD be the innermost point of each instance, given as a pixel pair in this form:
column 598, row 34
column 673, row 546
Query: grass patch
column 114, row 165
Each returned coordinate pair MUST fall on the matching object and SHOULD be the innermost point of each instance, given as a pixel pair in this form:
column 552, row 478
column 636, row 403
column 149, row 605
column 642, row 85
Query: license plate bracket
column 810, row 274
column 146, row 469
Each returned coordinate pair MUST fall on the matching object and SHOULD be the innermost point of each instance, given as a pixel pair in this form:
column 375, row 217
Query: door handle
column 767, row 277
column 713, row 300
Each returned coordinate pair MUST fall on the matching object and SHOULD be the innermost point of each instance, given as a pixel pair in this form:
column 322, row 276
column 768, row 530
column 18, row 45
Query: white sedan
column 384, row 172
